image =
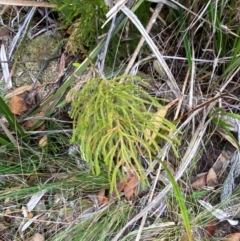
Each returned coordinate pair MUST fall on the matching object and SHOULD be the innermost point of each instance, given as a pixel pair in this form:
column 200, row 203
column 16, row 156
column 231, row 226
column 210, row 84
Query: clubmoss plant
column 111, row 119
column 85, row 18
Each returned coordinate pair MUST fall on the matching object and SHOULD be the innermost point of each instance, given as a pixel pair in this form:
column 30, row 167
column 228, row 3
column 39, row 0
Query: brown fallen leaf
column 7, row 200
column 30, row 215
column 101, row 196
column 61, row 65
column 19, row 91
column 43, row 141
column 212, row 180
column 17, row 105
column 30, row 123
column 8, row 211
column 120, row 186
column 232, row 237
column 36, row 237
column 210, row 228
column 200, row 182
column 129, row 189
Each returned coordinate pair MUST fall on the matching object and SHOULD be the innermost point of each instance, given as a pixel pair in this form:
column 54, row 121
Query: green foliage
column 91, row 227
column 110, row 122
column 88, row 15
column 181, row 202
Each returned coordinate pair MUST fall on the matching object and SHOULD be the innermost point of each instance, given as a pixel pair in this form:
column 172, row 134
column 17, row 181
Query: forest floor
column 47, row 190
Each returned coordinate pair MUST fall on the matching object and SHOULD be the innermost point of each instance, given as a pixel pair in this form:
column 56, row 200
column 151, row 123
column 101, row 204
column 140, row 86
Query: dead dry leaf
column 30, row 215
column 120, row 186
column 129, row 189
column 19, row 91
column 8, row 211
column 200, row 182
column 212, row 180
column 30, row 123
column 210, row 228
column 232, row 237
column 35, row 199
column 17, row 105
column 29, row 222
column 43, row 141
column 36, row 237
column 7, row 200
column 61, row 66
column 100, row 196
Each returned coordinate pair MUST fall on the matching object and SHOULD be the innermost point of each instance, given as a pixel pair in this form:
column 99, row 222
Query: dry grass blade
column 148, row 28
column 171, row 82
column 5, row 67
column 18, row 38
column 26, row 3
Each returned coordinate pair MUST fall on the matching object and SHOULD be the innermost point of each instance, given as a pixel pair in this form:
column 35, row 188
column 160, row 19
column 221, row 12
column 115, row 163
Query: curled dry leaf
column 211, row 179
column 43, row 141
column 8, row 211
column 102, row 199
column 36, row 237
column 129, row 189
column 120, row 186
column 34, row 200
column 100, row 196
column 19, row 91
column 232, row 237
column 210, row 228
column 200, row 182
column 7, row 200
column 30, row 123
column 17, row 105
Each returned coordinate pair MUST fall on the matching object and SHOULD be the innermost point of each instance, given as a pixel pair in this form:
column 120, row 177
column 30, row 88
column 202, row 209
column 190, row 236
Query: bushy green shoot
column 111, row 120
